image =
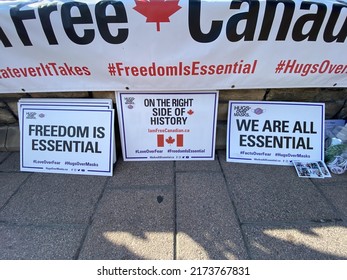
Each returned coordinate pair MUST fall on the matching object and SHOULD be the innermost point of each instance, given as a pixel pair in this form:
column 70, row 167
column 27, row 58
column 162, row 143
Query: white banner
column 171, row 45
column 275, row 132
column 167, row 125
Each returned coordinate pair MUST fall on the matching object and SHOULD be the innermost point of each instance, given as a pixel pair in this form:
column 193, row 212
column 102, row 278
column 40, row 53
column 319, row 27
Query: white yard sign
column 275, row 132
column 72, row 140
column 167, row 126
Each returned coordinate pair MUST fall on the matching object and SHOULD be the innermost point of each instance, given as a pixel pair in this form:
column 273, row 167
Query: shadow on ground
column 171, row 210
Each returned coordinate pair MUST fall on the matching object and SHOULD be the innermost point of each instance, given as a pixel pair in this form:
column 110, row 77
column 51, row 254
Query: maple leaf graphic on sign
column 157, row 10
column 170, row 140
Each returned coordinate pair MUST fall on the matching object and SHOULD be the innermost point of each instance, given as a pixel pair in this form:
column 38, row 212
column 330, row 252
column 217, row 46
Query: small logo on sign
column 130, row 102
column 258, row 111
column 30, row 115
column 241, row 111
column 190, row 112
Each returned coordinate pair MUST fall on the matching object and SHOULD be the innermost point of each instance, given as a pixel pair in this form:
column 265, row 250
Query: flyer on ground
column 311, row 169
column 71, row 140
column 167, row 125
column 275, row 132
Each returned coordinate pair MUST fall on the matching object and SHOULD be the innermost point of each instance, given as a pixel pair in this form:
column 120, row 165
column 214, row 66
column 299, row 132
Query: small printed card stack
column 311, row 169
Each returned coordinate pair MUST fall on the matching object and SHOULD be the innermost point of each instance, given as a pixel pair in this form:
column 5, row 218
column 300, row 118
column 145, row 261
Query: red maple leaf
column 170, row 140
column 190, row 112
column 157, row 10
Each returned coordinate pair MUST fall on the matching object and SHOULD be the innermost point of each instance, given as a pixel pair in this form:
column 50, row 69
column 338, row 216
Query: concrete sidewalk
column 172, row 210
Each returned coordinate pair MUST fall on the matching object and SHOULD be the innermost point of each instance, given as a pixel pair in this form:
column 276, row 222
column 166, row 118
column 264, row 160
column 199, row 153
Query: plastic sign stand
column 167, row 125
column 63, row 137
column 275, row 132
